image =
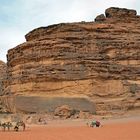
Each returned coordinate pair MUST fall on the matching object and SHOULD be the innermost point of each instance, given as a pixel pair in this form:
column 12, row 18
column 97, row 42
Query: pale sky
column 18, row 17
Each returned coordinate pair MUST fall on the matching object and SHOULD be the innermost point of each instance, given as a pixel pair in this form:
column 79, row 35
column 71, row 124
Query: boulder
column 100, row 18
column 64, row 111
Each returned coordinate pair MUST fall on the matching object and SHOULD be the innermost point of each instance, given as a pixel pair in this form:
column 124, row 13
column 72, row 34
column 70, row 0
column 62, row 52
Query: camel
column 20, row 124
column 5, row 125
column 16, row 125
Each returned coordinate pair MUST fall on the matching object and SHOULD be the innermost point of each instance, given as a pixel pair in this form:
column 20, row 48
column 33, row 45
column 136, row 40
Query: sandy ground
column 116, row 129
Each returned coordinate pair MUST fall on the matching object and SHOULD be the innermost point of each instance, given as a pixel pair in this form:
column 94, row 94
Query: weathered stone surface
column 120, row 12
column 2, row 76
column 33, row 104
column 3, row 109
column 99, row 61
column 100, row 18
column 64, row 111
column 2, row 79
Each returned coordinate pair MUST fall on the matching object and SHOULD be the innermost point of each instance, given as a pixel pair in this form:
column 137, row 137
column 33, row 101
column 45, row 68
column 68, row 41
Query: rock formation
column 2, row 79
column 90, row 66
column 2, row 76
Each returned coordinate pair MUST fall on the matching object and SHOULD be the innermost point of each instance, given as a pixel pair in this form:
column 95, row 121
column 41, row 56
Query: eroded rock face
column 2, row 85
column 120, row 12
column 99, row 61
column 2, row 76
column 64, row 111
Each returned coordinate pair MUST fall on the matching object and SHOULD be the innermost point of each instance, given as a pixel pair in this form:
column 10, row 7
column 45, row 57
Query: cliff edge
column 91, row 66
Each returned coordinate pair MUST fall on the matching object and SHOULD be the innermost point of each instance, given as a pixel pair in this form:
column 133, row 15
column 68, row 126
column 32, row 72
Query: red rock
column 2, row 76
column 98, row 61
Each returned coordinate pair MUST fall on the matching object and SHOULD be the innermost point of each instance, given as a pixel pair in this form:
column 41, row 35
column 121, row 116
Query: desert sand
column 117, row 129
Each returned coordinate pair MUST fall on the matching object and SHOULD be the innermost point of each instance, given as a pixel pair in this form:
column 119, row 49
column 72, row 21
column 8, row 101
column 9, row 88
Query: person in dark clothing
column 95, row 124
column 98, row 124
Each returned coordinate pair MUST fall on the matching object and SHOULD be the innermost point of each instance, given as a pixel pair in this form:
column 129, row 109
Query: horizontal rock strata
column 2, row 76
column 98, row 61
column 2, row 83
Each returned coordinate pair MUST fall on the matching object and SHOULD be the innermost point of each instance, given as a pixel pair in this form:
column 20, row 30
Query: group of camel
column 15, row 125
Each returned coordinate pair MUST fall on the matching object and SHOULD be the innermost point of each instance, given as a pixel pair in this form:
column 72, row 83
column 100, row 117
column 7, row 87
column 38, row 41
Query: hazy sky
column 18, row 17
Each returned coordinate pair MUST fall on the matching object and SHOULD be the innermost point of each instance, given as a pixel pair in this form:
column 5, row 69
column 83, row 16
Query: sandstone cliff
column 2, row 76
column 92, row 66
column 2, row 79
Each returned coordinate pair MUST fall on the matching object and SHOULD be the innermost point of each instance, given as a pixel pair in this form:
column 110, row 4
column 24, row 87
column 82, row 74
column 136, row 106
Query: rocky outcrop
column 64, row 112
column 96, row 61
column 2, row 79
column 114, row 12
column 2, row 76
